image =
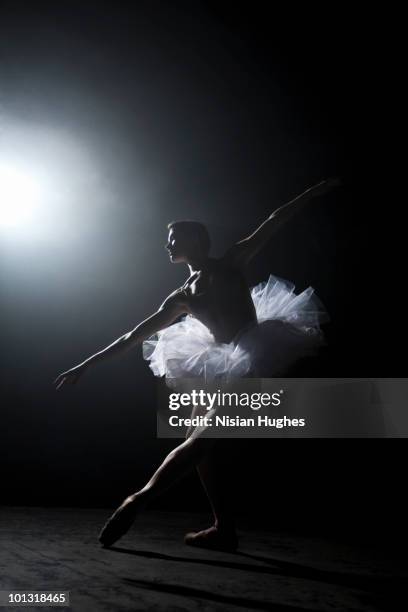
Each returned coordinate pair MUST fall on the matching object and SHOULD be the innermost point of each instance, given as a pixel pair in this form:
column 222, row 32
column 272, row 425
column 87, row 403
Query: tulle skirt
column 288, row 329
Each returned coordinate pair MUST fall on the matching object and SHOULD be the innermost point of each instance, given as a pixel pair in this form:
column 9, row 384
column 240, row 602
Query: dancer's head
column 188, row 241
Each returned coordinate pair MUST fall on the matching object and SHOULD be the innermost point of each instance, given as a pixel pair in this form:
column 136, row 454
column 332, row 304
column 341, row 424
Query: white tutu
column 288, row 329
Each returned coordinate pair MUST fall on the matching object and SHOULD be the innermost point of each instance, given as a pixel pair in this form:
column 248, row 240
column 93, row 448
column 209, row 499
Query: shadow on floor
column 375, row 582
column 193, row 593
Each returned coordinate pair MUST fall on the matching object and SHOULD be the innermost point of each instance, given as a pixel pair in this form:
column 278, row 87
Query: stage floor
column 151, row 568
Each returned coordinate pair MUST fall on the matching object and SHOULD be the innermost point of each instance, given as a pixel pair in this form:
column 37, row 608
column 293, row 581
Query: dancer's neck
column 197, row 265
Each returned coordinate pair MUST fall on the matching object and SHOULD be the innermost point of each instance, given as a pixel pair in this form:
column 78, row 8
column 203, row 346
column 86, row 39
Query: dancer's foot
column 214, row 539
column 120, row 521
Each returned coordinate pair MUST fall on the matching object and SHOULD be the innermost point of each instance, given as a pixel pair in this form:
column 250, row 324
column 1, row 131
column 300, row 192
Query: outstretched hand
column 69, row 377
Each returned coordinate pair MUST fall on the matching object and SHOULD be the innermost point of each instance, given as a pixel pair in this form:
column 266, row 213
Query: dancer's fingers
column 61, row 376
column 60, row 383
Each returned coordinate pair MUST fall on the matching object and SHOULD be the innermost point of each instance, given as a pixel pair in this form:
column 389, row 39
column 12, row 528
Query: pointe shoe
column 212, row 539
column 118, row 524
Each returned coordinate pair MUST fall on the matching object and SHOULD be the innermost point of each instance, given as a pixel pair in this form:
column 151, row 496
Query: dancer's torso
column 220, row 298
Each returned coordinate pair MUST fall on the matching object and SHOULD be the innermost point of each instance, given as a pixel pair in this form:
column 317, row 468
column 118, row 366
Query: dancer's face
column 176, row 247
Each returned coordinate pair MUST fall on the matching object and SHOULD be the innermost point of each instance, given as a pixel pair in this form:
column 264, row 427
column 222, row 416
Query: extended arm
column 242, row 252
column 171, row 308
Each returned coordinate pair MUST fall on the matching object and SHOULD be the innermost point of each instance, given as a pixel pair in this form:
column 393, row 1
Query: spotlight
column 19, row 197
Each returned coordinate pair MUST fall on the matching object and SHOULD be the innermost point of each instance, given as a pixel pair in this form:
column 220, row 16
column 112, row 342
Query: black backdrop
column 205, row 111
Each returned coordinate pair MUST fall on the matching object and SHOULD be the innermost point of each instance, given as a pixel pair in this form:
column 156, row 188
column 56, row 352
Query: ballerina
column 221, row 336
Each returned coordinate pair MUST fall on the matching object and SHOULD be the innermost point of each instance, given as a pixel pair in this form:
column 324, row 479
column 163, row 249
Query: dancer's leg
column 177, row 463
column 222, row 534
column 213, row 480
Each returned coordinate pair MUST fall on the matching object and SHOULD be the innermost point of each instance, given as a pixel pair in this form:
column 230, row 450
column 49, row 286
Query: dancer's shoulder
column 176, row 300
column 177, row 295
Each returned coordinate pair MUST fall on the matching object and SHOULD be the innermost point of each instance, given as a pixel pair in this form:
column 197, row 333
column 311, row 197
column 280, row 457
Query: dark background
column 207, row 111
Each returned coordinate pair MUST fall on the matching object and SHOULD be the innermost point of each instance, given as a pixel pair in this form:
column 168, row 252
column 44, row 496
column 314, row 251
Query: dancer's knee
column 193, row 448
column 199, row 447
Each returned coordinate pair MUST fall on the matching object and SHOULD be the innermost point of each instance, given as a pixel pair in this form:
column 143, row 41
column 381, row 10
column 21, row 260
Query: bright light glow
column 20, row 195
column 56, row 189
